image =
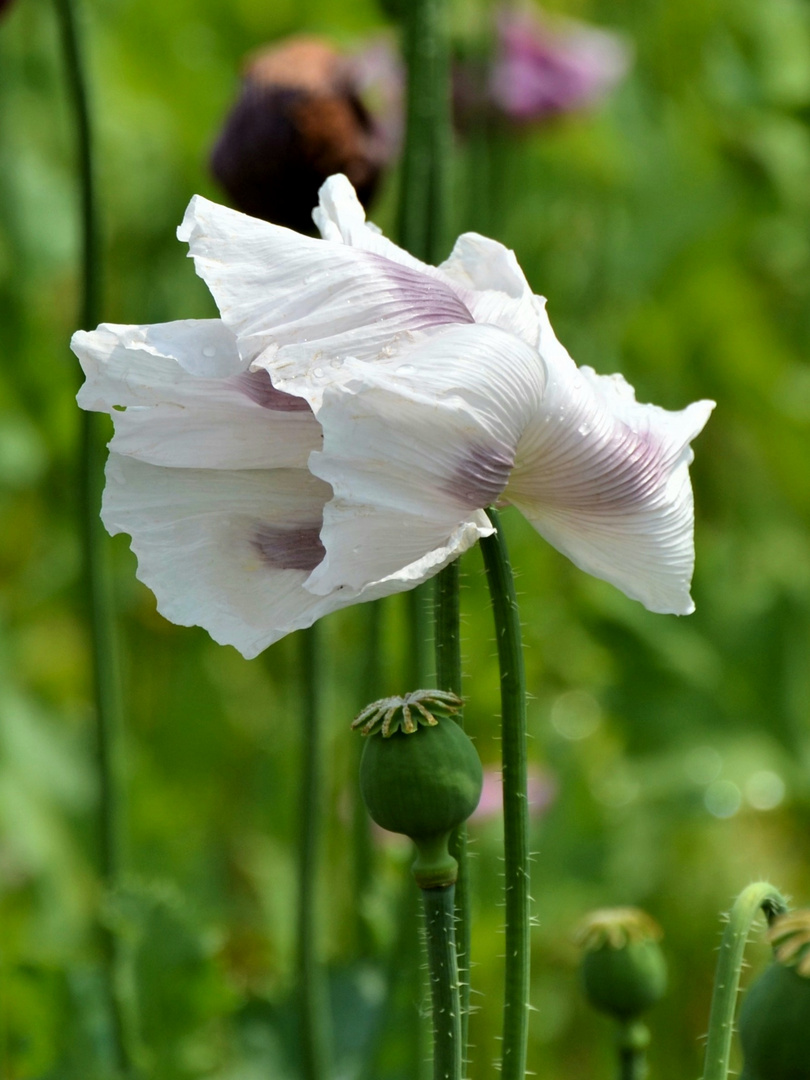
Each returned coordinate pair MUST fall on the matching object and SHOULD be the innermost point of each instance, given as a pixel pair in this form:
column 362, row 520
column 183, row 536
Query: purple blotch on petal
column 632, row 465
column 293, row 548
column 259, row 388
column 481, row 476
column 432, row 302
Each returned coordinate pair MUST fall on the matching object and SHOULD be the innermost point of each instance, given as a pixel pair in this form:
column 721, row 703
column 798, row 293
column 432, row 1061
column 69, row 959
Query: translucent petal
column 494, row 287
column 231, row 551
column 204, row 544
column 414, row 451
column 606, row 481
column 306, row 304
column 175, row 413
column 340, row 218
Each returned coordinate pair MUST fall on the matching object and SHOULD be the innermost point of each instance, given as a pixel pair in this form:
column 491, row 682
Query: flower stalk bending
column 95, row 571
column 515, row 801
column 758, row 896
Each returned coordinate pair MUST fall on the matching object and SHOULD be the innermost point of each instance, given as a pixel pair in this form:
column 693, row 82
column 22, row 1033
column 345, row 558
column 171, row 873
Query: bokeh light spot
column 722, row 798
column 764, row 789
column 576, row 715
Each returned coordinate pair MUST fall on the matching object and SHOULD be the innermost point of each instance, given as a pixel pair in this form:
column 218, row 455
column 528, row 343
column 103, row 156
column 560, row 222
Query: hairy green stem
column 515, row 802
column 362, row 847
column 425, row 179
column 439, row 906
column 312, row 990
column 423, row 217
column 95, row 571
column 760, row 896
column 420, row 667
column 448, row 677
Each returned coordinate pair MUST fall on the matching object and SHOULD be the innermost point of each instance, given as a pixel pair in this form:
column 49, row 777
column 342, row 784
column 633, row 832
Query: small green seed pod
column 421, row 777
column 623, row 969
column 774, row 1021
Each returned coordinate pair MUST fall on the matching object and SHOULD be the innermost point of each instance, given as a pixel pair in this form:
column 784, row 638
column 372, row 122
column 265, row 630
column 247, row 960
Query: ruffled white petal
column 201, row 538
column 231, row 551
column 188, row 403
column 494, row 288
column 483, row 273
column 340, row 218
column 414, row 452
column 306, row 303
column 606, row 481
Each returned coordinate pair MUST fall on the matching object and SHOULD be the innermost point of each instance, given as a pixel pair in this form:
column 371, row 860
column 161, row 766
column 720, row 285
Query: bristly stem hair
column 515, row 801
column 424, row 211
column 760, row 896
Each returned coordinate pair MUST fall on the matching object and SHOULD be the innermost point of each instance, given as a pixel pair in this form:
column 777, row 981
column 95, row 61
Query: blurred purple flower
column 542, row 791
column 541, row 71
column 305, row 112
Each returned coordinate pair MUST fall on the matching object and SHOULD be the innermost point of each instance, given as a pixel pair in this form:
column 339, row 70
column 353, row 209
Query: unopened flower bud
column 623, row 968
column 420, row 775
column 299, row 119
column 774, row 1021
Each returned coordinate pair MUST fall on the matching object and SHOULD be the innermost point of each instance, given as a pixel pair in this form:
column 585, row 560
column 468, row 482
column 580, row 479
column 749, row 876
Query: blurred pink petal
column 542, row 70
column 542, row 791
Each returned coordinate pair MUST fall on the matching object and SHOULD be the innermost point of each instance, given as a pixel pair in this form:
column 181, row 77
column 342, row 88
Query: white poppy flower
column 337, row 433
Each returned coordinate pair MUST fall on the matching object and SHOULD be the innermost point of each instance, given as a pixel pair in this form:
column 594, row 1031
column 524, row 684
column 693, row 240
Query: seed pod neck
column 434, row 867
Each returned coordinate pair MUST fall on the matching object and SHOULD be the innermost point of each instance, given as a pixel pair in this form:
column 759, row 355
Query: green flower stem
column 448, row 677
column 362, row 847
column 419, row 668
column 633, row 1040
column 760, row 896
column 423, row 214
column 440, row 917
column 312, row 990
column 515, row 802
column 95, row 572
column 425, row 178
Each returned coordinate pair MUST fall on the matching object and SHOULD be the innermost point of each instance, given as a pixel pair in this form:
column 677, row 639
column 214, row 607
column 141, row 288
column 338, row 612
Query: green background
column 670, row 230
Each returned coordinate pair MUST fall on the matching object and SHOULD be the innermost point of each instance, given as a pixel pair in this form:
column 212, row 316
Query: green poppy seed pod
column 774, row 1021
column 421, row 776
column 623, row 969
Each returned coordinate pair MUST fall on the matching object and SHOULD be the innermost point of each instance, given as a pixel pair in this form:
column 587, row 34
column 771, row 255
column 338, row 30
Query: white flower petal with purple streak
column 304, row 305
column 226, row 550
column 187, row 401
column 606, row 481
column 414, row 451
column 336, row 436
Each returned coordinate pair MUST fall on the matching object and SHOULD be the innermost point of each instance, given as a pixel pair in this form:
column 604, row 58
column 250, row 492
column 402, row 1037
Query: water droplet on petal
column 209, row 351
column 318, row 373
column 406, row 369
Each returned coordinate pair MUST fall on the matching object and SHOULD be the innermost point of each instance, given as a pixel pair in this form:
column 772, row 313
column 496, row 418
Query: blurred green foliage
column 670, row 231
